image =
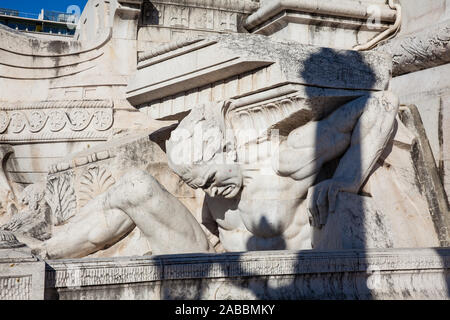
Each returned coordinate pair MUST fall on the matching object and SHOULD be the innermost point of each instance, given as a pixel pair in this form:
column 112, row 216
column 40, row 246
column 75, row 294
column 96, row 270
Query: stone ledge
column 94, row 278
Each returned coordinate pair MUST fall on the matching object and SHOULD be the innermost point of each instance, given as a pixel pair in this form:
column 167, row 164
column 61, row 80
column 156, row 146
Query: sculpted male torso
column 271, row 210
column 269, row 204
column 268, row 214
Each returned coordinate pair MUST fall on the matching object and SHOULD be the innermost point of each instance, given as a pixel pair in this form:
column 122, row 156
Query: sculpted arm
column 358, row 131
column 369, row 138
column 368, row 123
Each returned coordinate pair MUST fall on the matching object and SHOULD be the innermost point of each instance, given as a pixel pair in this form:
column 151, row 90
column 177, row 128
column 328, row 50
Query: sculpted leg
column 136, row 200
column 168, row 224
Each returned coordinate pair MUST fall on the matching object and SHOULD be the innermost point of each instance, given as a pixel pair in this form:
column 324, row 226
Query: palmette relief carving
column 61, row 197
column 94, row 181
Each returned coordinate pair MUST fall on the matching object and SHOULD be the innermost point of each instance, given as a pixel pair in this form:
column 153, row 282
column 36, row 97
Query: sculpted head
column 202, row 152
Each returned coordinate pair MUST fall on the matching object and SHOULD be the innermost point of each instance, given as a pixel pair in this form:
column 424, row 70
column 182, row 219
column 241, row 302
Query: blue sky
column 35, row 6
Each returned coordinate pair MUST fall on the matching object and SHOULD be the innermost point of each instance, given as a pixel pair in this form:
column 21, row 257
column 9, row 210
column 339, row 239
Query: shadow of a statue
column 320, row 70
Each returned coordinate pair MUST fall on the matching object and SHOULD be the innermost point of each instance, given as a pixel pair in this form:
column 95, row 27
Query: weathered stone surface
column 417, row 15
column 375, row 274
column 168, row 20
column 425, row 89
column 22, row 277
column 422, row 50
column 226, row 59
column 428, row 176
column 339, row 24
column 306, row 152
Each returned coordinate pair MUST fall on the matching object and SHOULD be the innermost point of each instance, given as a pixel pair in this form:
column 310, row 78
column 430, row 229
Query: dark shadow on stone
column 254, row 243
column 320, row 62
column 332, row 287
column 150, row 14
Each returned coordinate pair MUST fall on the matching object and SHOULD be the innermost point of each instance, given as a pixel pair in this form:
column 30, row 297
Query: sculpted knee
column 133, row 188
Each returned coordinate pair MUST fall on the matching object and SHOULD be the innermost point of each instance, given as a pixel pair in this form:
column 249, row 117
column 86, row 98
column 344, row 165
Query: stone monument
column 219, row 150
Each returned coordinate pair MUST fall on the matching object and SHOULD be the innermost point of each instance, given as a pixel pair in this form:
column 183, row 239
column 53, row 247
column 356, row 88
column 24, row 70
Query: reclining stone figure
column 270, row 203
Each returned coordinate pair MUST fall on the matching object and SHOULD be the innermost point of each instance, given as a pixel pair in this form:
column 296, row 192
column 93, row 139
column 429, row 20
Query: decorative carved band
column 55, row 120
column 53, row 137
column 63, row 274
column 57, row 104
column 80, row 161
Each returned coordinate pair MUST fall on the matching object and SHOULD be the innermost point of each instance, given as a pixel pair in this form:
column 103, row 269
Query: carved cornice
column 422, row 50
column 339, row 8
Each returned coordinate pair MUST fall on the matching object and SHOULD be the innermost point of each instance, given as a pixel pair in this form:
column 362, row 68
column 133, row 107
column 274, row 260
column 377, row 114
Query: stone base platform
column 371, row 274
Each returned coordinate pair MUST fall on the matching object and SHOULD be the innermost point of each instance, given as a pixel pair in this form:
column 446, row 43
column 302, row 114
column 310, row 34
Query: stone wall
column 419, row 14
column 168, row 20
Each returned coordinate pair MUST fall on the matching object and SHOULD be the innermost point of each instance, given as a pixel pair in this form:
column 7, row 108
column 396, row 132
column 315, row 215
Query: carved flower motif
column 18, row 122
column 37, row 120
column 57, row 120
column 79, row 119
column 103, row 120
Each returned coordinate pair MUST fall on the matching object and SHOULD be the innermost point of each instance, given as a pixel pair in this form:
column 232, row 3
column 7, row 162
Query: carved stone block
column 21, row 275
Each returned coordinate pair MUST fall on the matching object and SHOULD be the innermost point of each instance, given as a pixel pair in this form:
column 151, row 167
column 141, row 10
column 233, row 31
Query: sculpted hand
column 322, row 200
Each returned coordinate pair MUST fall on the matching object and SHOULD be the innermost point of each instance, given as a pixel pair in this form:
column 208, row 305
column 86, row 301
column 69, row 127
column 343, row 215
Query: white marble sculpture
column 296, row 146
column 258, row 205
